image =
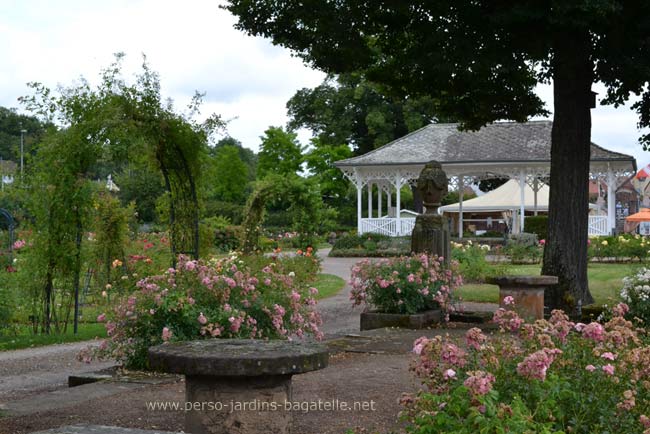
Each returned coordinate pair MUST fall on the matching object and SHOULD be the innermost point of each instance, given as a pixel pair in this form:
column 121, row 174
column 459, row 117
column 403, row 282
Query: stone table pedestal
column 527, row 292
column 238, row 385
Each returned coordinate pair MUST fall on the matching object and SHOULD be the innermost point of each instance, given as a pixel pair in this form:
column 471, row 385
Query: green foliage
column 229, row 177
column 349, row 109
column 221, row 233
column 358, row 241
column 625, row 247
column 280, row 153
column 537, row 225
column 11, row 124
column 111, row 229
column 7, row 302
column 306, row 207
column 246, row 155
column 523, row 247
column 370, row 245
column 473, row 264
column 143, row 185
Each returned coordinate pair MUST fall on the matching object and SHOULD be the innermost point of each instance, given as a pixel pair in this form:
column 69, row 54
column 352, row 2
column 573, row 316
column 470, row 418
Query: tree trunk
column 565, row 253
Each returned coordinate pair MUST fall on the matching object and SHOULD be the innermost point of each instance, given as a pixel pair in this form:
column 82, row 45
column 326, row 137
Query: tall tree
column 482, row 60
column 11, row 125
column 230, row 175
column 349, row 109
column 280, row 153
column 246, row 155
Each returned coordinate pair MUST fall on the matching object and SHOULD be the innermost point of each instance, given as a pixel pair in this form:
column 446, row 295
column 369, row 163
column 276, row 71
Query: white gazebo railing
column 598, row 225
column 388, row 226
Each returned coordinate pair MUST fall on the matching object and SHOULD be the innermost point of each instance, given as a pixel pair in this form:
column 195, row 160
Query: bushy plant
column 204, row 300
column 472, row 261
column 407, row 284
column 524, row 247
column 622, row 247
column 636, row 293
column 538, row 225
column 550, row 376
column 354, row 241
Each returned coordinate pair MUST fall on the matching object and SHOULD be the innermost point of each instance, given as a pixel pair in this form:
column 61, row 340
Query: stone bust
column 432, row 185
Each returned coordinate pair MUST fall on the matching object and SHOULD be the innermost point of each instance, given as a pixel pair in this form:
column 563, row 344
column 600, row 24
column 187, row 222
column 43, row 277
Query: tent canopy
column 506, row 197
column 641, row 216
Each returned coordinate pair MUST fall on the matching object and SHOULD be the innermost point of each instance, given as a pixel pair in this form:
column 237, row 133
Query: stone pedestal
column 238, row 386
column 527, row 292
column 431, row 235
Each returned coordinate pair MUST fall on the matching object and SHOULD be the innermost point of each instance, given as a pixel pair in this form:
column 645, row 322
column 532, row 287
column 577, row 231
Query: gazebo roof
column 495, row 144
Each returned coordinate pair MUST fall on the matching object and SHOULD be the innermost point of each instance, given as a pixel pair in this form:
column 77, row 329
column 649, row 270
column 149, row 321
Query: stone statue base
column 431, row 235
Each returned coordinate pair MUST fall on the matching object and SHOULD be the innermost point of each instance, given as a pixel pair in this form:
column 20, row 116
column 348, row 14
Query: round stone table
column 527, row 292
column 238, row 385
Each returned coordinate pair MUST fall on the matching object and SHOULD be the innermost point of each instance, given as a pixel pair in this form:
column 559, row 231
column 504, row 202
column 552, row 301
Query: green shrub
column 7, row 302
column 358, row 241
column 618, row 248
column 538, row 225
column 523, row 247
column 472, row 261
column 636, row 294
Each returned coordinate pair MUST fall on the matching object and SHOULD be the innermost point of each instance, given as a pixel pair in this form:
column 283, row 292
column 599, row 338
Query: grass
column 605, row 282
column 25, row 339
column 328, row 285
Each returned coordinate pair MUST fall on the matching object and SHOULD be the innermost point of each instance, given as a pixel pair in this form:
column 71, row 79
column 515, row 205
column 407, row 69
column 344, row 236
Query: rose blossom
column 608, row 369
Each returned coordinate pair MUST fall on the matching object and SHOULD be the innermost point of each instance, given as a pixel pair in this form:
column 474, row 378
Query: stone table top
column 523, row 280
column 238, row 357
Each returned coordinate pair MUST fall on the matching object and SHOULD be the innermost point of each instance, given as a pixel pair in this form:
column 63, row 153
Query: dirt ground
column 378, row 379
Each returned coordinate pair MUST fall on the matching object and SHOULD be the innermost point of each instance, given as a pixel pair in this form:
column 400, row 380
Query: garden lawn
column 605, row 282
column 328, row 285
column 25, row 339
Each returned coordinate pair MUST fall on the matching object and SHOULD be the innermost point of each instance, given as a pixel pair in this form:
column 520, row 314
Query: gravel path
column 35, row 370
column 339, row 318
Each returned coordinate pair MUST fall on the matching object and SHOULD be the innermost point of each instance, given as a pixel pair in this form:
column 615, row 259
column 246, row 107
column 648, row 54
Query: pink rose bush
column 210, row 299
column 547, row 376
column 407, row 284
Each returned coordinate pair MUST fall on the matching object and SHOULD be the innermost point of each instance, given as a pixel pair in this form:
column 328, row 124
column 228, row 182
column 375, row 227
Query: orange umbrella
column 641, row 216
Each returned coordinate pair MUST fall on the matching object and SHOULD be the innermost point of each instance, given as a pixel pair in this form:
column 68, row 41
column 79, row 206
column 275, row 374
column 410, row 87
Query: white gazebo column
column 359, row 198
column 369, row 200
column 461, row 193
column 398, row 204
column 522, row 204
column 611, row 201
column 535, row 190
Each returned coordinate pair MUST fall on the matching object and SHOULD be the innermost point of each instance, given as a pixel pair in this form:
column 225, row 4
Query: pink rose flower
column 590, row 368
column 508, row 300
column 608, row 356
column 101, row 318
column 202, row 319
column 608, row 369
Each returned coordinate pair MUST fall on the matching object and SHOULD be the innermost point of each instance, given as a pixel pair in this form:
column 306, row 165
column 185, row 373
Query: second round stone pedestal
column 526, row 291
column 238, row 404
column 236, row 385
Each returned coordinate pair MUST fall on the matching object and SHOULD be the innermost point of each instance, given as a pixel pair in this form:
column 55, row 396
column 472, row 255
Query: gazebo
column 520, row 151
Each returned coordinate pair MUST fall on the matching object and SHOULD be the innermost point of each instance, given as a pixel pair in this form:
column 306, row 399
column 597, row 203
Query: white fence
column 388, row 226
column 598, row 225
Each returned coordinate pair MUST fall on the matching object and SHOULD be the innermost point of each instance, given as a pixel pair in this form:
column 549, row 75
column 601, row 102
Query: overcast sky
column 193, row 45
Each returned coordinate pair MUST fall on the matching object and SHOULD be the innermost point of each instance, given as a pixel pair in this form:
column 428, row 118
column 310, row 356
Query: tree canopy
column 481, row 61
column 349, row 109
column 280, row 153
